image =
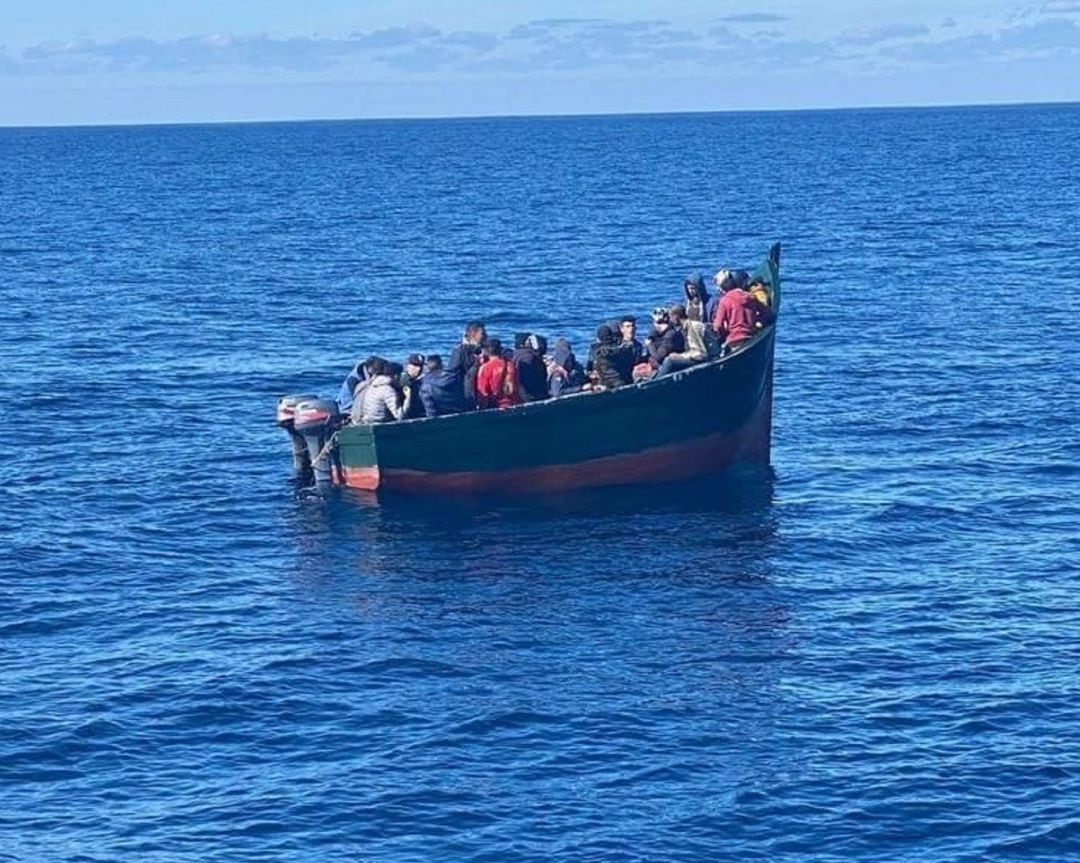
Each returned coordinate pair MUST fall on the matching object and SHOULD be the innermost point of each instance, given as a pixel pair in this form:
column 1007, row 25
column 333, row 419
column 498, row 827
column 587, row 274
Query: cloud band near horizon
column 554, row 45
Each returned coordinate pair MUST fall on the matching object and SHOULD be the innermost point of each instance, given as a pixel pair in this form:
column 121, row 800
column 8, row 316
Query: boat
column 703, row 420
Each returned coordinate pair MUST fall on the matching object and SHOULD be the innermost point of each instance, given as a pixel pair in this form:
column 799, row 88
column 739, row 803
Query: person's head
column 395, row 370
column 604, row 335
column 725, row 280
column 742, row 279
column 414, row 365
column 435, row 363
column 563, row 354
column 537, row 343
column 378, row 366
column 493, row 348
column 677, row 314
column 694, row 286
column 521, row 340
column 628, row 327
column 475, row 333
column 661, row 320
column 369, row 365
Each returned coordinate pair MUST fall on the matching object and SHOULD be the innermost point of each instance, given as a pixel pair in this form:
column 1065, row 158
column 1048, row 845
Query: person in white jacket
column 378, row 400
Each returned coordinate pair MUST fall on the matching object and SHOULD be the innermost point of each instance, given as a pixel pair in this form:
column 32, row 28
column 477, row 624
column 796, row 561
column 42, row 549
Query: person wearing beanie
column 411, row 379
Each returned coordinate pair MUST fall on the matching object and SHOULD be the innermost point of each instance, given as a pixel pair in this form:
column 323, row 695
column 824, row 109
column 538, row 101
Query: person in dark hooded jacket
column 531, row 371
column 440, row 389
column 564, row 373
column 664, row 339
column 698, row 302
column 613, row 361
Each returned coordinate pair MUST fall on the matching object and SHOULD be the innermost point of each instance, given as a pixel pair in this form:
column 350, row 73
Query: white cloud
column 1054, row 7
column 885, row 33
column 646, row 48
column 753, row 18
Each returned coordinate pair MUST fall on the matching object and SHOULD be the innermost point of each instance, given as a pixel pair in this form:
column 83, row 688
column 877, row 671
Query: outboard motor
column 316, row 420
column 286, row 413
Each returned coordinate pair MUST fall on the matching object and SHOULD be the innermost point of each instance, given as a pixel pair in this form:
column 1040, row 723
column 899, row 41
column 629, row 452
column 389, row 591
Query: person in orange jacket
column 497, row 381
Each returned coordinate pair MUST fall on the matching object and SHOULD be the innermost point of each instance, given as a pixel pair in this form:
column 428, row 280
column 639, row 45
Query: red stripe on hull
column 366, row 478
column 750, row 444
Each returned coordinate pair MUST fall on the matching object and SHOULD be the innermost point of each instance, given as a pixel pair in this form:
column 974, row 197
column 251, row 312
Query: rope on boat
column 330, row 446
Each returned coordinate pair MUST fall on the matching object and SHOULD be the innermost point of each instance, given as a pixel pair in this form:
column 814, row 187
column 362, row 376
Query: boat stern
column 357, row 463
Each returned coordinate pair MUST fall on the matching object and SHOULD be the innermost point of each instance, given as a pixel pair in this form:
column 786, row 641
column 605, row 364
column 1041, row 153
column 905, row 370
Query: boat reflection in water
column 715, row 531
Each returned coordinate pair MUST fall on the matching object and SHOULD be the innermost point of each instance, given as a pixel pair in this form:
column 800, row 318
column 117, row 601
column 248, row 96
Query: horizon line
column 820, row 109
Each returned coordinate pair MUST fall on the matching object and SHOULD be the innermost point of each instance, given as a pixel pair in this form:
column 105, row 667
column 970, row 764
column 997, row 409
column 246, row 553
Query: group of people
column 481, row 374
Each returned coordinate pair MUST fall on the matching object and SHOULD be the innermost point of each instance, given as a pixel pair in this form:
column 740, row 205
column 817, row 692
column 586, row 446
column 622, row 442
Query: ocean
column 869, row 655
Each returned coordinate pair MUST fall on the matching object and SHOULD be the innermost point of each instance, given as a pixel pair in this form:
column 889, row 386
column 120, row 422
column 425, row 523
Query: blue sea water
column 872, row 655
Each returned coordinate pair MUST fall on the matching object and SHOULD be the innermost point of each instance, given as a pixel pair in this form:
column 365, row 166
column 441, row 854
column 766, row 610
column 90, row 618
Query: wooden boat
column 703, row 420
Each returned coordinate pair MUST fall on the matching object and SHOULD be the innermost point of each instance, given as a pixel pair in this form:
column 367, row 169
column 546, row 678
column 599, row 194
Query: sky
column 67, row 62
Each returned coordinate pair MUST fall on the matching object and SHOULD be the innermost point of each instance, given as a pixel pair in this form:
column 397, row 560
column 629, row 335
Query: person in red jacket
column 738, row 314
column 497, row 382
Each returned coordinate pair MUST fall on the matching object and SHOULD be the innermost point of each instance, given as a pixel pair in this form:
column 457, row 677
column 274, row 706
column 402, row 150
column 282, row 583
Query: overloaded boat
column 702, row 420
